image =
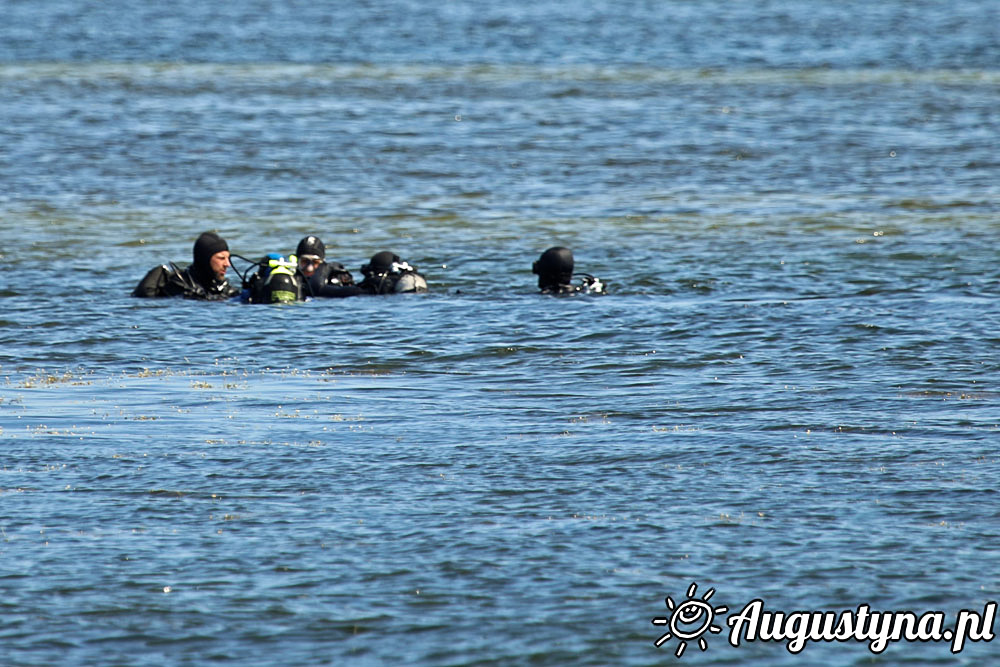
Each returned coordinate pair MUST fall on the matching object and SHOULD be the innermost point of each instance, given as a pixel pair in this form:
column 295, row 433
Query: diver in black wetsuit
column 322, row 278
column 386, row 273
column 555, row 274
column 204, row 279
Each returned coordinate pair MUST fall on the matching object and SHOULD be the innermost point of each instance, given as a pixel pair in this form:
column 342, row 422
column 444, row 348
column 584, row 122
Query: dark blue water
column 790, row 393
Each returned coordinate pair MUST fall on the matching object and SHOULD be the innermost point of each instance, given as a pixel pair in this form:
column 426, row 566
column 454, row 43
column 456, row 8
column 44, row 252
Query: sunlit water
column 790, row 393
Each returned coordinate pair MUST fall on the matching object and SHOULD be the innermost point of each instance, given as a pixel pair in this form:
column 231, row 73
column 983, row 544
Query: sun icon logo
column 690, row 619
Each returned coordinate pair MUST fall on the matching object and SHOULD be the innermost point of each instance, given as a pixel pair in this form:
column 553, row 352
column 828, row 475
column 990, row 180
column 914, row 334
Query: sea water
column 789, row 394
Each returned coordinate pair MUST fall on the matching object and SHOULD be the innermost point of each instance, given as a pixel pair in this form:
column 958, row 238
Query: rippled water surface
column 790, row 393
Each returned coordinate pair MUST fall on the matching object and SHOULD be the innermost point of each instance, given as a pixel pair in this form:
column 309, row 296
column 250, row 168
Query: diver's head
column 311, row 253
column 380, row 264
column 554, row 267
column 211, row 256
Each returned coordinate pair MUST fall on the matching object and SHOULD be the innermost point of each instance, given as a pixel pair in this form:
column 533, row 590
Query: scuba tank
column 282, row 284
column 277, row 280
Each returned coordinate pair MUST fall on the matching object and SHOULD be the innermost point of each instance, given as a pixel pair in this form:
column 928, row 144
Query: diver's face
column 308, row 265
column 220, row 264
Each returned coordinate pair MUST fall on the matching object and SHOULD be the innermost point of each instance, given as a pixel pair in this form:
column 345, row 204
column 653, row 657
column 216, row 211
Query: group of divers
column 305, row 275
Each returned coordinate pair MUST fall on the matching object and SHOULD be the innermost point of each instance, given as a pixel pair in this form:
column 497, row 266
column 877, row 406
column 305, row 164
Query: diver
column 322, row 278
column 204, row 279
column 386, row 273
column 555, row 274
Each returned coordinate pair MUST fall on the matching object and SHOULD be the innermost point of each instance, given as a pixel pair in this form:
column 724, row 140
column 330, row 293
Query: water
column 790, row 393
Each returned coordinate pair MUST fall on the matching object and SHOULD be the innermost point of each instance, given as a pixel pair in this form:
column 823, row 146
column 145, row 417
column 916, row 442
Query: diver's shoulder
column 588, row 285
